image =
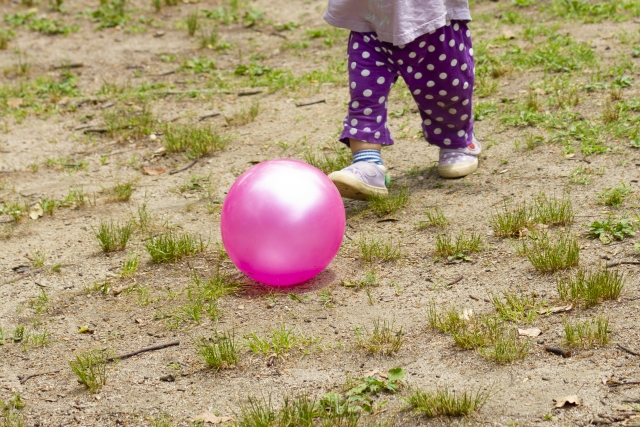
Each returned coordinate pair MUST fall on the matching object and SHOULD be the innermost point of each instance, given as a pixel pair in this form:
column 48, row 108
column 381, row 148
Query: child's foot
column 459, row 162
column 361, row 181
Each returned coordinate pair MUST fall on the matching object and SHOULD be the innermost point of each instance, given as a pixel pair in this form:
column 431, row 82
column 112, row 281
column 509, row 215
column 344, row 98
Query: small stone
column 546, row 379
column 159, row 33
column 271, row 304
column 168, row 378
column 153, row 137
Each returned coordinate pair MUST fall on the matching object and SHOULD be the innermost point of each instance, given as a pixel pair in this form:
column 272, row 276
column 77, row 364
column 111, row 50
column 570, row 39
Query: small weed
column 76, row 198
column 333, row 158
column 610, row 229
column 464, row 245
column 444, row 402
column 610, row 113
column 282, row 341
column 372, row 249
column 384, row 206
column 40, row 303
column 435, row 218
column 38, row 258
column 552, row 211
column 591, row 287
column 220, row 352
column 614, row 196
column 587, row 334
column 244, row 116
column 18, row 333
column 299, row 411
column 10, row 415
column 515, row 308
column 129, row 122
column 113, row 236
column 548, row 255
column 130, row 265
column 192, row 23
column 506, row 349
column 171, row 246
column 511, row 222
column 101, row 287
column 383, row 339
column 582, row 175
column 162, row 420
column 91, row 369
column 257, row 413
column 195, row 141
column 56, row 5
column 122, row 191
column 369, row 280
column 219, row 285
column 110, row 13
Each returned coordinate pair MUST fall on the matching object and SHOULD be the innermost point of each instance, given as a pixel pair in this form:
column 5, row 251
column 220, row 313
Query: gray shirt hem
column 406, row 37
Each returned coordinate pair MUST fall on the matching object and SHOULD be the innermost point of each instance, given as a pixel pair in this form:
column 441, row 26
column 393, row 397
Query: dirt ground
column 54, row 141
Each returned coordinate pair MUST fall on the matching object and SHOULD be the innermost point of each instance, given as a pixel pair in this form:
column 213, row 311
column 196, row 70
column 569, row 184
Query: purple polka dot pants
column 439, row 70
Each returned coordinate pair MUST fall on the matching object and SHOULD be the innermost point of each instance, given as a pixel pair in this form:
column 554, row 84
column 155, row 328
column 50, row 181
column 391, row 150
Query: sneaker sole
column 457, row 170
column 352, row 188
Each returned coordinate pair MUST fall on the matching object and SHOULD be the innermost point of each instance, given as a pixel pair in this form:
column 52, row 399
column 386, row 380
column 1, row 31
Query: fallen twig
column 24, row 378
column 96, row 130
column 627, row 350
column 184, row 168
column 617, row 263
column 166, row 73
column 305, row 104
column 455, row 281
column 70, row 65
column 208, row 116
column 620, row 384
column 5, row 171
column 144, row 350
column 249, row 92
column 558, row 351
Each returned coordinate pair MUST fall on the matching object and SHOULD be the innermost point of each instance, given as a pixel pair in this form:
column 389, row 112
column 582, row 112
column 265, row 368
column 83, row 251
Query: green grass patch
column 591, row 287
column 444, row 402
column 130, row 122
column 461, row 247
column 220, row 352
column 373, row 249
column 587, row 334
column 610, row 229
column 122, row 191
column 435, row 218
column 332, row 158
column 281, row 340
column 110, row 13
column 384, row 206
column 383, row 339
column 516, row 308
column 172, row 246
column 195, row 141
column 614, row 197
column 549, row 254
column 113, row 236
column 91, row 369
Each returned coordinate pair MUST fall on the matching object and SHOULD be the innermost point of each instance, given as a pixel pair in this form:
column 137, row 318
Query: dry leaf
column 572, row 400
column 372, row 373
column 570, row 156
column 14, row 102
column 36, row 211
column 540, row 91
column 509, row 35
column 533, row 332
column 208, row 417
column 150, row 171
column 466, row 314
column 553, row 310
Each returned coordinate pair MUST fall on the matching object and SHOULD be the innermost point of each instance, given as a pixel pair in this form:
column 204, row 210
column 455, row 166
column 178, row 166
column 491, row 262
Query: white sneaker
column 459, row 162
column 361, row 181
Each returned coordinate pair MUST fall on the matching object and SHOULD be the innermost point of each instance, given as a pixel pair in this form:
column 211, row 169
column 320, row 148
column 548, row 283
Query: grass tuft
column 614, row 196
column 591, row 287
column 461, row 248
column 549, row 255
column 384, row 206
column 587, row 334
column 372, row 249
column 91, row 369
column 515, row 308
column 444, row 402
column 435, row 218
column 244, row 116
column 383, row 339
column 172, row 246
column 122, row 191
column 196, row 141
column 112, row 236
column 333, row 158
column 220, row 352
column 130, row 265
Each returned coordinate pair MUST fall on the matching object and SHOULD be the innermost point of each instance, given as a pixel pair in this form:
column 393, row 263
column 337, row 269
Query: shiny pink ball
column 282, row 222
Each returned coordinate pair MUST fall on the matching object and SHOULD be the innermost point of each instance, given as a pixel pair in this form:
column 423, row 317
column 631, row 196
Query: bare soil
column 522, row 392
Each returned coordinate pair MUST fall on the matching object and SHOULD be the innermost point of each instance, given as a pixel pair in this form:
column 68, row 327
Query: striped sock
column 370, row 156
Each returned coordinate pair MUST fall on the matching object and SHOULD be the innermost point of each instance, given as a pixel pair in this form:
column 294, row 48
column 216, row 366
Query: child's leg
column 439, row 70
column 371, row 76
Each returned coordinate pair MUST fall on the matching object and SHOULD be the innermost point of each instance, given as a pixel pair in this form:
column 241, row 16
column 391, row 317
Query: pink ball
column 282, row 222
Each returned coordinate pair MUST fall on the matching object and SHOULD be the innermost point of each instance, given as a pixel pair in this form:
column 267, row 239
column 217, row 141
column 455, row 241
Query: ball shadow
column 322, row 280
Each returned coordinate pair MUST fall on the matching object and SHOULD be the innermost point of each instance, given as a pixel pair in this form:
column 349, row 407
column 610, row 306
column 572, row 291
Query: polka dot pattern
column 438, row 68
